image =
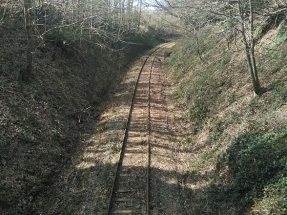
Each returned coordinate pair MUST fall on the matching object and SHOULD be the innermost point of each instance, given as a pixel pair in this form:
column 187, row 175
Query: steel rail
column 125, row 136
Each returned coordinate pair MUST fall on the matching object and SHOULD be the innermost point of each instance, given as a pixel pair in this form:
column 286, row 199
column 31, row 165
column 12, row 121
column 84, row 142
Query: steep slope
column 237, row 142
column 44, row 124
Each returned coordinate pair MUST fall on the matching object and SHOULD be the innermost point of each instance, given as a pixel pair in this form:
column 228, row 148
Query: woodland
column 62, row 64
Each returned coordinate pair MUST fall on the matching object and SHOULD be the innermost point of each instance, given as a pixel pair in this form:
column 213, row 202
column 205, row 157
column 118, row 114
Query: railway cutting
column 132, row 183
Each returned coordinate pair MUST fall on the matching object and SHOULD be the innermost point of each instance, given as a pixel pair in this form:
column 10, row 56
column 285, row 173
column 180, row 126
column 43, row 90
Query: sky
column 150, row 3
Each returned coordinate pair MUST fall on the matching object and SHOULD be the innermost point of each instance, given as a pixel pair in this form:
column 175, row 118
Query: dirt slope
column 237, row 141
column 47, row 123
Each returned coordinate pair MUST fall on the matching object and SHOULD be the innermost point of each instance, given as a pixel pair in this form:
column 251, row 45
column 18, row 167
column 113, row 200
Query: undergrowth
column 239, row 141
column 199, row 89
column 45, row 123
column 256, row 163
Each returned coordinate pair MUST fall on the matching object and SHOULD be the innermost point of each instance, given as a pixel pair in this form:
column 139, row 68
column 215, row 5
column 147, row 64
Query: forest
column 67, row 73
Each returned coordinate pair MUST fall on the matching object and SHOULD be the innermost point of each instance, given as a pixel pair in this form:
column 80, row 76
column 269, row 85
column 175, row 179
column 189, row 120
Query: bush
column 257, row 168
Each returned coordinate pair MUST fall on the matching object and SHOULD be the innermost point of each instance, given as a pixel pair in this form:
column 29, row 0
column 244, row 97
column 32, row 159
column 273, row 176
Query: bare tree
column 242, row 12
column 98, row 22
column 249, row 45
column 29, row 31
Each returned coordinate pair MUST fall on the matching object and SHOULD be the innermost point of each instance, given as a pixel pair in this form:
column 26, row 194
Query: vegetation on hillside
column 239, row 140
column 236, row 17
column 45, row 119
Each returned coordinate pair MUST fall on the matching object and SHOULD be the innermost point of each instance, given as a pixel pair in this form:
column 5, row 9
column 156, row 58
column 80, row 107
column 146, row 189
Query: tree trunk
column 249, row 47
column 139, row 15
column 29, row 28
column 123, row 16
column 256, row 85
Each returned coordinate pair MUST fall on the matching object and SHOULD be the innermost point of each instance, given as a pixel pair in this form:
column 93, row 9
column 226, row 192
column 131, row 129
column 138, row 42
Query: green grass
column 240, row 141
column 257, row 165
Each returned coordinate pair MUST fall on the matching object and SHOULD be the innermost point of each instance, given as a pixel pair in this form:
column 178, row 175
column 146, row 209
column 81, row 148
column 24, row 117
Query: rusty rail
column 124, row 142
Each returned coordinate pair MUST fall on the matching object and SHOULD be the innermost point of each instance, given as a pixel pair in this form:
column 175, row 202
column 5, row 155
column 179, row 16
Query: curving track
column 131, row 189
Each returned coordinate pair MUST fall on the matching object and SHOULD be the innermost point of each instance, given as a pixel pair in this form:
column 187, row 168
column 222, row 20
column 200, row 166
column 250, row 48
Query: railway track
column 131, row 188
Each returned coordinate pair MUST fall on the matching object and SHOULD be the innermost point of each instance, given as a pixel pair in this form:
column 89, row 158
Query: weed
column 103, row 178
column 124, row 124
column 274, row 197
column 217, row 130
column 273, row 58
column 187, row 141
column 250, row 175
column 225, row 60
column 251, row 172
column 232, row 97
column 279, row 94
column 27, row 117
column 25, row 139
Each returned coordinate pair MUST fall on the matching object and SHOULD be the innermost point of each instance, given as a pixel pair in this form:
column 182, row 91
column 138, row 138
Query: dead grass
column 56, row 138
column 232, row 112
column 59, row 146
